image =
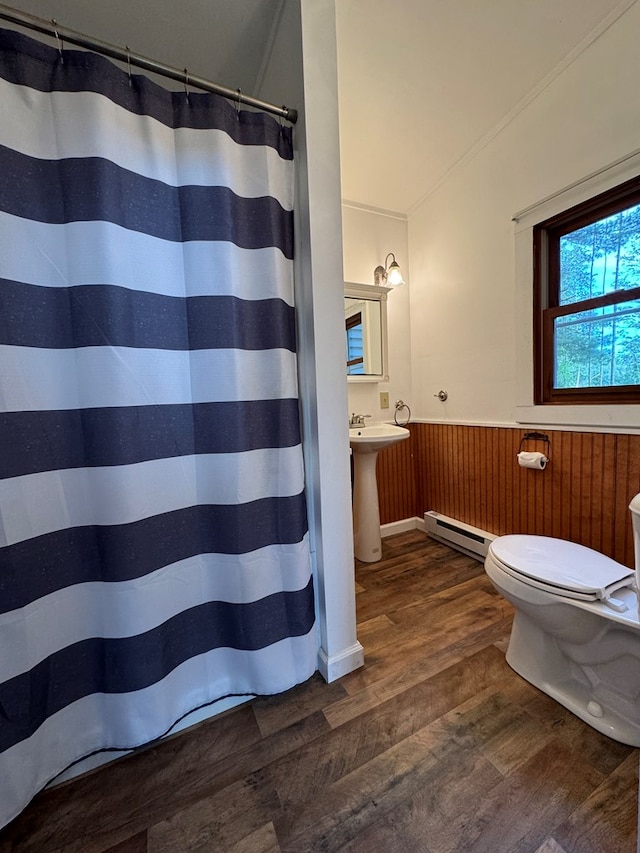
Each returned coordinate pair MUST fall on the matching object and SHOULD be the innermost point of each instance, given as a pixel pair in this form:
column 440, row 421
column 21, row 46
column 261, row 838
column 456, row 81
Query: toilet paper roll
column 532, row 460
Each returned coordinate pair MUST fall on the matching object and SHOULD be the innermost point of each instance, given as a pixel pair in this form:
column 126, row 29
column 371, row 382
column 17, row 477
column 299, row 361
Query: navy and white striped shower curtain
column 155, row 552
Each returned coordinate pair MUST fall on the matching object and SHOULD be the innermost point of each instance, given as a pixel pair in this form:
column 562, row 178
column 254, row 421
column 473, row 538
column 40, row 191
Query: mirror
column 365, row 320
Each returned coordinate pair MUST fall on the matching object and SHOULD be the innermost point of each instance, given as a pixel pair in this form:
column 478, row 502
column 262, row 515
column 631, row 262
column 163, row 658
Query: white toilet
column 576, row 631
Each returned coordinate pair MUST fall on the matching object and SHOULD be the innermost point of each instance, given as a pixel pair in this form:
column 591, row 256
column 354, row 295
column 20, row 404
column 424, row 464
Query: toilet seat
column 560, row 567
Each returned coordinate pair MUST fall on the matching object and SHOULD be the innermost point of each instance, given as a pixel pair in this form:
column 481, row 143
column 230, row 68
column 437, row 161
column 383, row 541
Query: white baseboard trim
column 401, row 526
column 334, row 667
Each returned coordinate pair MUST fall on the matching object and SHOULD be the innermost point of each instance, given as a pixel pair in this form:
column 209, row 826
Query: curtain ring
column 129, row 64
column 186, row 84
column 58, row 39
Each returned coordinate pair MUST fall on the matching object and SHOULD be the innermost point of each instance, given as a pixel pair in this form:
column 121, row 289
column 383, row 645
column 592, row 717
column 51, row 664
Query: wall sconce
column 388, row 276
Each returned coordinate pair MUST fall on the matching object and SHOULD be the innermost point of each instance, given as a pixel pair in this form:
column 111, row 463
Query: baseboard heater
column 470, row 540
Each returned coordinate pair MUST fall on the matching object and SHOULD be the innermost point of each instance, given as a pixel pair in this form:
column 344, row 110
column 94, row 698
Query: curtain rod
column 51, row 28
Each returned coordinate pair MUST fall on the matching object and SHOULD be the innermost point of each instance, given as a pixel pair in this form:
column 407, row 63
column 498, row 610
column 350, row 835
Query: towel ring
column 399, row 406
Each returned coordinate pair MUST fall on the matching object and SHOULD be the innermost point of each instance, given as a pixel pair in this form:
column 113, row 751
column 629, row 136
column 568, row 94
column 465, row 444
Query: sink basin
column 370, row 439
column 365, row 443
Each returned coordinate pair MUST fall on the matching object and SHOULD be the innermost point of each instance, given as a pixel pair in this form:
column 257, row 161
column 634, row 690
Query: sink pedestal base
column 366, row 509
column 365, row 443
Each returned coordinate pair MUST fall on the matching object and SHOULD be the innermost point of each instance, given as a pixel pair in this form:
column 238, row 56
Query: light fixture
column 389, row 276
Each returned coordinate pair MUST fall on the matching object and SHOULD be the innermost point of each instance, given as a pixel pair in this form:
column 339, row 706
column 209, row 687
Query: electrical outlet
column 384, row 399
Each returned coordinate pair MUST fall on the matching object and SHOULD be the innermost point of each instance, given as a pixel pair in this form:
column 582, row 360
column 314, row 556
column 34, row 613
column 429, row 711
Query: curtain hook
column 58, row 39
column 129, row 64
column 186, row 84
column 239, row 94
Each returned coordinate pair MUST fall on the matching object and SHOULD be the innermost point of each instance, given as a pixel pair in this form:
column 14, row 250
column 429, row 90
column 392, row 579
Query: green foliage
column 600, row 347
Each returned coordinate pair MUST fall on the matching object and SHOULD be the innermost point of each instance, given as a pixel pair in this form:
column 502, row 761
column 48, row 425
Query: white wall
column 461, row 239
column 303, row 69
column 369, row 236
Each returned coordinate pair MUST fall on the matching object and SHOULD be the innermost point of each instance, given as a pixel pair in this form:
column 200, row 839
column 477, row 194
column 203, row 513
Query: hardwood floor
column 435, row 745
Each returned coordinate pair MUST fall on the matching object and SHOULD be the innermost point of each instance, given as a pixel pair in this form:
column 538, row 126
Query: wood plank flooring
column 435, row 745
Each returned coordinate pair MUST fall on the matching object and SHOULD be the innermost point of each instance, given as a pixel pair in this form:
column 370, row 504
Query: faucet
column 357, row 420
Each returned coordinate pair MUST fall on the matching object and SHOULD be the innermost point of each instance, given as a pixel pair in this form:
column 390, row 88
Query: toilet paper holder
column 536, row 436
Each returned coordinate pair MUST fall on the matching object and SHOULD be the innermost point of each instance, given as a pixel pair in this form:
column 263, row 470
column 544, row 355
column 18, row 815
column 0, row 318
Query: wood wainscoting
column 471, row 473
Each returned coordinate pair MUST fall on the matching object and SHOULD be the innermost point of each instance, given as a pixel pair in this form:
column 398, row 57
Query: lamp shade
column 394, row 274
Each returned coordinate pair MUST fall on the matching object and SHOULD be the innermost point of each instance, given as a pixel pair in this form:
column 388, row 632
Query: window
column 355, row 350
column 587, row 301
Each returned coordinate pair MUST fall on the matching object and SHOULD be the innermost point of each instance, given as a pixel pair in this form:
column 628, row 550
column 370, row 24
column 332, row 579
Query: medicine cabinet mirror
column 365, row 320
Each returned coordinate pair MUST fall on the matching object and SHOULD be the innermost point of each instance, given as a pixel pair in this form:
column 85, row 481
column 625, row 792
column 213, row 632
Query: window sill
column 603, row 418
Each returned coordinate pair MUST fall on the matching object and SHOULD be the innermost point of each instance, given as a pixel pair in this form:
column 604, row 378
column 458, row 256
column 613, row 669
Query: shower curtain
column 154, row 544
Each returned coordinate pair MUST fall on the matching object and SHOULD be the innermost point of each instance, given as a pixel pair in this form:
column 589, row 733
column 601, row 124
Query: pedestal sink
column 366, row 442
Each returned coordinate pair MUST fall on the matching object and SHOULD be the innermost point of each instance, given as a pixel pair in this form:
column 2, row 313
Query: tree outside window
column 587, row 301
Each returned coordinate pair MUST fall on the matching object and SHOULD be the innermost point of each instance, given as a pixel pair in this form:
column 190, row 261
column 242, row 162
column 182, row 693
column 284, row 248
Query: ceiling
column 421, row 82
column 221, row 40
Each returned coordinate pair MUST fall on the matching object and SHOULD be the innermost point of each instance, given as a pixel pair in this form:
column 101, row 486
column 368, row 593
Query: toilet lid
column 561, row 564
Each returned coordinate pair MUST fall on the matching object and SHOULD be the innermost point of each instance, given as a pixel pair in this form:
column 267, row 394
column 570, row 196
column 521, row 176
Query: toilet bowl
column 576, row 630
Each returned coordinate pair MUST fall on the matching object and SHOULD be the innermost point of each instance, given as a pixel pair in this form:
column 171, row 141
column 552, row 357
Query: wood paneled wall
column 471, row 473
column 396, row 472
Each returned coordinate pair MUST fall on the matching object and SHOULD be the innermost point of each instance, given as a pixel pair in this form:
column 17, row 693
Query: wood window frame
column 546, row 291
column 351, row 323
